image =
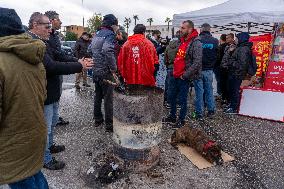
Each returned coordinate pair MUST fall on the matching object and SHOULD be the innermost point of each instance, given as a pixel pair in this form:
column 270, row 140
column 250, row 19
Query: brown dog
column 198, row 140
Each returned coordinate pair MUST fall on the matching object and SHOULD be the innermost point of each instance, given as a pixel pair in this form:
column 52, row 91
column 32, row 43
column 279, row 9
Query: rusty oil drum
column 138, row 133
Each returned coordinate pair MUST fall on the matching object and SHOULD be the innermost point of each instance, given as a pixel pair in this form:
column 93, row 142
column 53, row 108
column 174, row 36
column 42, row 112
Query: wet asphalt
column 257, row 145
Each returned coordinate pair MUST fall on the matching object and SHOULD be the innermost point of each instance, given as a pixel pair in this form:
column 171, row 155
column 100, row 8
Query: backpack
column 252, row 66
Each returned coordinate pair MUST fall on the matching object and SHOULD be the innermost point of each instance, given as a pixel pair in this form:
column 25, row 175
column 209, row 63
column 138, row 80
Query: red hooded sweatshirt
column 179, row 63
column 136, row 61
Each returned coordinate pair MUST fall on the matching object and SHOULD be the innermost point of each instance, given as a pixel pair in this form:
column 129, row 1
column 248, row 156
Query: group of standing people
column 29, row 97
column 193, row 58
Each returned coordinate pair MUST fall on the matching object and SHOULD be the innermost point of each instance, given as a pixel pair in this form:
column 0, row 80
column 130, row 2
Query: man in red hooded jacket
column 137, row 59
column 187, row 67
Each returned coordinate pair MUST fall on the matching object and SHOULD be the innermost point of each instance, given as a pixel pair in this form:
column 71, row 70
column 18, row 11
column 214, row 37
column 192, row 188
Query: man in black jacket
column 238, row 69
column 217, row 67
column 81, row 51
column 55, row 48
column 40, row 28
column 203, row 86
column 104, row 55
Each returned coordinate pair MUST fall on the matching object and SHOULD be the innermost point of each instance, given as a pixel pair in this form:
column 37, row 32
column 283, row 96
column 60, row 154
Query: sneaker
column 178, row 107
column 54, row 165
column 168, row 106
column 61, row 122
column 99, row 123
column 77, row 87
column 210, row 114
column 178, row 125
column 231, row 111
column 86, row 85
column 56, row 148
column 169, row 120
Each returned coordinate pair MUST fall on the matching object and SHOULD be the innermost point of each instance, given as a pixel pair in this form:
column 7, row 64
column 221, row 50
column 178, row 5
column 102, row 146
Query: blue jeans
column 203, row 89
column 234, row 90
column 178, row 90
column 167, row 81
column 51, row 118
column 38, row 181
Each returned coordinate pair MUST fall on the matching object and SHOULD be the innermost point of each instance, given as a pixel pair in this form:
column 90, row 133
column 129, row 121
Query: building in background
column 163, row 29
column 75, row 29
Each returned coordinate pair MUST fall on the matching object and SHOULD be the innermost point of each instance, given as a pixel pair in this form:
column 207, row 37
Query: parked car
column 67, row 50
column 70, row 44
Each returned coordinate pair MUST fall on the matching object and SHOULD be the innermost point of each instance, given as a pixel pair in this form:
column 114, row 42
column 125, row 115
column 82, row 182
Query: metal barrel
column 138, row 131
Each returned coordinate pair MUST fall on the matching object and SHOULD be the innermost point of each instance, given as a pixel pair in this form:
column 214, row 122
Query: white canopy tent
column 236, row 11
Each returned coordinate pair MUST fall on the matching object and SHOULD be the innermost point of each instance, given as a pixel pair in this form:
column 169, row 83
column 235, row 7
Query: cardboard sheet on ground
column 197, row 159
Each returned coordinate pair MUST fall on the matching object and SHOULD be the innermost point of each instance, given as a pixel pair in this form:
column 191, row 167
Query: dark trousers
column 36, row 181
column 217, row 73
column 103, row 91
column 167, row 81
column 234, row 88
column 224, row 84
column 178, row 90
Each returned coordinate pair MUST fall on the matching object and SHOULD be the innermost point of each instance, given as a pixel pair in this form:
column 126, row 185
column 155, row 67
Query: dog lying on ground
column 198, row 140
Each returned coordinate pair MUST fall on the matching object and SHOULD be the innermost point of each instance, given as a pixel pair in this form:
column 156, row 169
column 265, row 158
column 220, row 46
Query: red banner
column 275, row 69
column 275, row 84
column 261, row 49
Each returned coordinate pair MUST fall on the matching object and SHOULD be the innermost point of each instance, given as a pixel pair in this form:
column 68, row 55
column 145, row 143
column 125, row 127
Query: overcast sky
column 72, row 11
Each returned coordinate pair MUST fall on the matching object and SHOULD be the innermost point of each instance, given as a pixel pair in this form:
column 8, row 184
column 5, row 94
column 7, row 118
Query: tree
column 94, row 23
column 135, row 17
column 127, row 22
column 150, row 20
column 71, row 36
column 168, row 21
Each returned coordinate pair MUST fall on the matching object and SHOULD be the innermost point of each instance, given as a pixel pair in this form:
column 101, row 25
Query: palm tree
column 135, row 17
column 150, row 20
column 127, row 22
column 168, row 21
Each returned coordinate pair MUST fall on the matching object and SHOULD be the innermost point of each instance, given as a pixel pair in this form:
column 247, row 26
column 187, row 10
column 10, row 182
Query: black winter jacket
column 58, row 53
column 220, row 55
column 53, row 71
column 210, row 50
column 241, row 57
column 103, row 51
column 81, row 48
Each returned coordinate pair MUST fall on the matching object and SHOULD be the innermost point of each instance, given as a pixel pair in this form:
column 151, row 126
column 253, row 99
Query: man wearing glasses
column 58, row 53
column 40, row 28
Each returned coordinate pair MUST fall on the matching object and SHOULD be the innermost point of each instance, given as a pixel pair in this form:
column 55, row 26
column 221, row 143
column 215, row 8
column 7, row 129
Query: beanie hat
column 109, row 20
column 10, row 23
column 243, row 37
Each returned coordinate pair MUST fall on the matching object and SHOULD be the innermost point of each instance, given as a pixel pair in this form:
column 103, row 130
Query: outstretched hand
column 87, row 63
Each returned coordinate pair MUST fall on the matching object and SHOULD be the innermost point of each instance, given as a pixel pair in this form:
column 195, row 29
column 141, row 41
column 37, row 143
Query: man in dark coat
column 238, row 70
column 217, row 67
column 40, row 28
column 203, row 86
column 104, row 55
column 81, row 51
column 55, row 49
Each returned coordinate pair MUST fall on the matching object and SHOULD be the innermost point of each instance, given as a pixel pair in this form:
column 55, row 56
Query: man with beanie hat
column 137, row 59
column 22, row 93
column 103, row 50
column 238, row 70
